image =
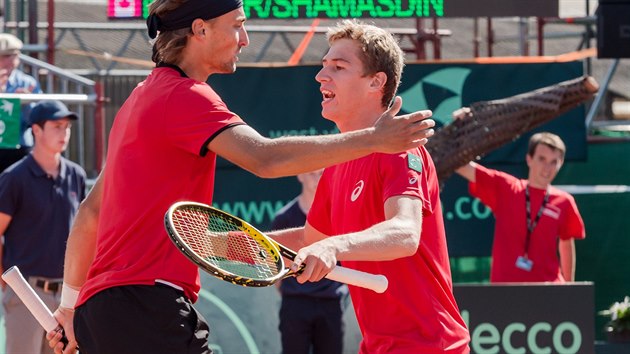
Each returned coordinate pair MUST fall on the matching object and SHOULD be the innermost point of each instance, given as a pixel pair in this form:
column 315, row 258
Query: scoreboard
column 338, row 9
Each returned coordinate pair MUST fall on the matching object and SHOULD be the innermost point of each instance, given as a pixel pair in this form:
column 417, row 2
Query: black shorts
column 311, row 325
column 140, row 319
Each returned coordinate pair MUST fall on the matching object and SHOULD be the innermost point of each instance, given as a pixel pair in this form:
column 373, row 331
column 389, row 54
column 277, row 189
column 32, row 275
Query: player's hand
column 400, row 133
column 65, row 317
column 319, row 259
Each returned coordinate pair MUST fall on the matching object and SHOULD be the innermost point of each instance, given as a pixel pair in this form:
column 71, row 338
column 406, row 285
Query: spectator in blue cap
column 39, row 197
column 50, row 110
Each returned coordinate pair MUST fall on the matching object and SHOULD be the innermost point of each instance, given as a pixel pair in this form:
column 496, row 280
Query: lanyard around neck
column 532, row 225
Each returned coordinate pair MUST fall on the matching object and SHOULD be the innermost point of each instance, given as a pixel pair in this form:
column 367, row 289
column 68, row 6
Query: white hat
column 9, row 44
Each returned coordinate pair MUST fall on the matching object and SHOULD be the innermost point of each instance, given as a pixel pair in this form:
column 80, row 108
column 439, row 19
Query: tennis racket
column 34, row 303
column 233, row 250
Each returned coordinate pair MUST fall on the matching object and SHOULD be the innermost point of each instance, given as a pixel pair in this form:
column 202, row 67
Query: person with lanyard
column 126, row 286
column 39, row 198
column 534, row 221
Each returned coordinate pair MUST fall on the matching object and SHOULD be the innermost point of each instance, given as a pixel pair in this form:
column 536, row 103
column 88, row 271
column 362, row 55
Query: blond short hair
column 380, row 52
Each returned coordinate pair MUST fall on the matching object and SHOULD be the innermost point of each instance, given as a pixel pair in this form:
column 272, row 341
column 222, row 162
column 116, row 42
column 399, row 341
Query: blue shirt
column 19, row 80
column 42, row 209
column 292, row 216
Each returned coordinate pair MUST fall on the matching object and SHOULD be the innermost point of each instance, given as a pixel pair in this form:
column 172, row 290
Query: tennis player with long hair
column 380, row 213
column 131, row 288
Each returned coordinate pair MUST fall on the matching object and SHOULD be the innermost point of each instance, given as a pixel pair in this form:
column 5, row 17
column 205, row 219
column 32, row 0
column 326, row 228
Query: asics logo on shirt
column 357, row 190
column 413, row 180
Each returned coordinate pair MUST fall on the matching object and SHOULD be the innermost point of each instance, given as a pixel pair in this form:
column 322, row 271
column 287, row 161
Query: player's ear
column 36, row 128
column 378, row 80
column 198, row 28
column 528, row 160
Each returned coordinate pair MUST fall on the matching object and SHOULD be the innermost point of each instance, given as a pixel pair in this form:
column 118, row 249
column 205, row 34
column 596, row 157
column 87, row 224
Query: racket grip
column 375, row 282
column 34, row 303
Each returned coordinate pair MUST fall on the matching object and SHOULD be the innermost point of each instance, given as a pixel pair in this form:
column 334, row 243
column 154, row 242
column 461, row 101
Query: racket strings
column 224, row 245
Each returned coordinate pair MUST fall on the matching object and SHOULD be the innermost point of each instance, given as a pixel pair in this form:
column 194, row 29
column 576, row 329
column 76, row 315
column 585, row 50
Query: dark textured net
column 487, row 125
column 223, row 244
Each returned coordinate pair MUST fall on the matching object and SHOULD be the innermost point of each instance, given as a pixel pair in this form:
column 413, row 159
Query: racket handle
column 375, row 282
column 34, row 303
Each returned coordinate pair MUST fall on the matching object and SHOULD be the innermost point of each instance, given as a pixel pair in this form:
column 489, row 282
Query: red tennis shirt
column 417, row 313
column 156, row 156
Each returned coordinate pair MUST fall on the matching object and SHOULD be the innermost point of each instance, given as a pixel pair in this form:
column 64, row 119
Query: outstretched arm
column 468, row 171
column 396, row 237
column 288, row 156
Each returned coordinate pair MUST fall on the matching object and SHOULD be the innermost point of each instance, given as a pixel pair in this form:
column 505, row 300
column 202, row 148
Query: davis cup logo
column 357, row 190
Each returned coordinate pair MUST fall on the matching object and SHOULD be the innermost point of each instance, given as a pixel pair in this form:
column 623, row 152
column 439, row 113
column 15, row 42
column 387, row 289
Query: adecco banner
column 528, row 318
column 511, row 319
column 286, row 101
column 501, row 319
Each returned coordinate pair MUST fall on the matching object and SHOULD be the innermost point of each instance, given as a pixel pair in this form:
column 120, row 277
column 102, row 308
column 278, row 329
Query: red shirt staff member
column 534, row 221
column 380, row 213
column 162, row 149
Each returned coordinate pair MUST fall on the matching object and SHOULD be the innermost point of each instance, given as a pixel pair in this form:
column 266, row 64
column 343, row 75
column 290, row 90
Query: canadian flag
column 125, row 8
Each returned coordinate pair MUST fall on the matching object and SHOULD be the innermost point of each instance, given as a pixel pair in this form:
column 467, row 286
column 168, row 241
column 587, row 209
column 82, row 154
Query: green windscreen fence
column 286, row 101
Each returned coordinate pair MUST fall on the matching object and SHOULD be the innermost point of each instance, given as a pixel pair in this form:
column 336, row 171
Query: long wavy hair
column 168, row 45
